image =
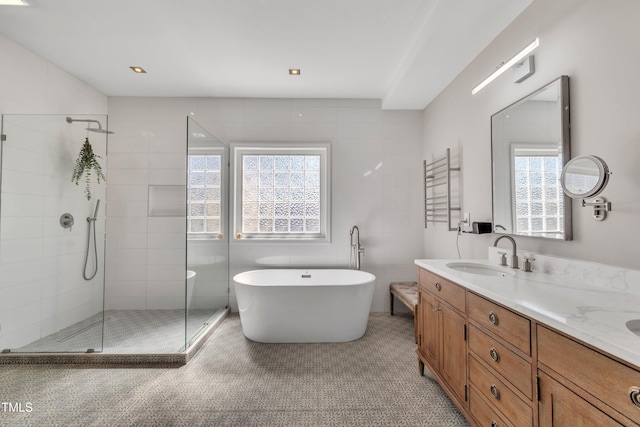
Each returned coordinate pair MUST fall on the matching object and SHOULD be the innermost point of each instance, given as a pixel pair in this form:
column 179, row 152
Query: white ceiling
column 401, row 51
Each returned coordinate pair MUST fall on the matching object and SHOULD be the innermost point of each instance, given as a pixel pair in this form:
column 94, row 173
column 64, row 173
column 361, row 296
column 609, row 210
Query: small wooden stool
column 407, row 293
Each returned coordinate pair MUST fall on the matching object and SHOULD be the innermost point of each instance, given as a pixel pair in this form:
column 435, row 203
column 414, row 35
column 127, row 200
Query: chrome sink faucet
column 514, row 258
column 356, row 249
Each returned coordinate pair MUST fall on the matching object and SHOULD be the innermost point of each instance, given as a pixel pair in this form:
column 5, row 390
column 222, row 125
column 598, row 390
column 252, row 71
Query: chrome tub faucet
column 356, row 249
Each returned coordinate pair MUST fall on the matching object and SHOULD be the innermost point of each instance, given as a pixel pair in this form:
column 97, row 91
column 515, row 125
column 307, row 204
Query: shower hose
column 91, row 231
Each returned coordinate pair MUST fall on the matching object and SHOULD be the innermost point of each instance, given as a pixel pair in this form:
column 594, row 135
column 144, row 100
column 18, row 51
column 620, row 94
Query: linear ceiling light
column 13, row 3
column 504, row 67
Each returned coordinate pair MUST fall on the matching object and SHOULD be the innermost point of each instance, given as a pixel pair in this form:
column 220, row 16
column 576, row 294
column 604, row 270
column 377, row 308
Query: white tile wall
column 42, row 263
column 376, row 184
column 31, row 85
column 145, row 255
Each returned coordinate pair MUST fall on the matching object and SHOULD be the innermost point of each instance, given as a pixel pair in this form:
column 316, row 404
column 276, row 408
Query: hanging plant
column 86, row 164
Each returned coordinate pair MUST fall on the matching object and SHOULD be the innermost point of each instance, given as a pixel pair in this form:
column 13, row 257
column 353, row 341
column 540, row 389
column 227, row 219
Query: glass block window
column 281, row 192
column 204, row 195
column 538, row 194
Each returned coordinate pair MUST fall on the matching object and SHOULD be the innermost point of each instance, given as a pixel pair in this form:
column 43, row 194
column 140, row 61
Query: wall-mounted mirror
column 530, row 143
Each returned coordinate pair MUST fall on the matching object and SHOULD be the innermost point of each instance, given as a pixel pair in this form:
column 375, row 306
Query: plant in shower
column 87, row 164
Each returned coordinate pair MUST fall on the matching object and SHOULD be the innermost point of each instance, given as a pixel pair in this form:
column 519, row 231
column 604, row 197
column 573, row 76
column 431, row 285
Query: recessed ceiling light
column 138, row 70
column 294, row 71
column 13, row 3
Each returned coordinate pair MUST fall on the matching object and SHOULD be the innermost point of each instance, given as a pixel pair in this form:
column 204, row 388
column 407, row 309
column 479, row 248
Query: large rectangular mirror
column 530, row 142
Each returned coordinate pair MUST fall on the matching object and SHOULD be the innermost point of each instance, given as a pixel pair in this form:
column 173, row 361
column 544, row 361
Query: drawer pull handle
column 495, row 392
column 493, row 318
column 634, row 394
column 436, row 309
column 494, row 424
column 438, row 287
column 494, row 355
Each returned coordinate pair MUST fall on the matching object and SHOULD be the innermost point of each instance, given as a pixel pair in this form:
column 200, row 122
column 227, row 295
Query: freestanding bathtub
column 304, row 306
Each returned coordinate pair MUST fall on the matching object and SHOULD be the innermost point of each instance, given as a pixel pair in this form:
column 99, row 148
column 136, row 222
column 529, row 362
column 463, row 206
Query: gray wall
column 595, row 43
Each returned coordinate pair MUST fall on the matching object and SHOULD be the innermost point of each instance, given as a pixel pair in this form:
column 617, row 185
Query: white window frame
column 321, row 149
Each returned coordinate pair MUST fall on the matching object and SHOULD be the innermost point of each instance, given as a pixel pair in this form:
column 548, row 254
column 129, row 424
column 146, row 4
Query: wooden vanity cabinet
column 500, row 364
column 560, row 406
column 442, row 332
column 428, row 330
column 502, row 368
column 581, row 386
column 453, row 361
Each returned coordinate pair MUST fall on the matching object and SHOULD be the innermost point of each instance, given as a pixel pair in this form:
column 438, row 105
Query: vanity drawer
column 511, row 327
column 499, row 395
column 512, row 367
column 445, row 290
column 610, row 380
column 483, row 413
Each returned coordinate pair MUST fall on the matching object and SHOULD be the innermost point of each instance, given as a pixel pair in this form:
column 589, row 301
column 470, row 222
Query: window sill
column 205, row 236
column 315, row 239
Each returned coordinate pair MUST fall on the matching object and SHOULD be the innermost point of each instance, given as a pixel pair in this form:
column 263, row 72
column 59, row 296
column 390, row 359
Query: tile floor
column 125, row 332
column 232, row 381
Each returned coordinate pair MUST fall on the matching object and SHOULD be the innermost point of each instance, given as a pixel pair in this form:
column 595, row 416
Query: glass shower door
column 46, row 303
column 207, row 284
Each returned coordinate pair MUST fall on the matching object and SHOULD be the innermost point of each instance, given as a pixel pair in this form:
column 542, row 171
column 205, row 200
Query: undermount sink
column 634, row 326
column 482, row 269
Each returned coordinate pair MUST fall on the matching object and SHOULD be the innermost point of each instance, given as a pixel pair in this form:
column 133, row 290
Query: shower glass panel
column 207, row 284
column 46, row 228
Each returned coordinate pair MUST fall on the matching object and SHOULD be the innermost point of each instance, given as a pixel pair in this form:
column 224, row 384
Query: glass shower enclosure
column 52, row 233
column 54, row 268
column 207, row 295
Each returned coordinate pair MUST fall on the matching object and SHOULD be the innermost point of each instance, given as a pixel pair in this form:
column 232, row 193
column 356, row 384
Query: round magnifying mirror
column 584, row 177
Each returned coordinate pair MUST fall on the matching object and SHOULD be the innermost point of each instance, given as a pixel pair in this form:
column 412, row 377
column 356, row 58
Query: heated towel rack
column 437, row 191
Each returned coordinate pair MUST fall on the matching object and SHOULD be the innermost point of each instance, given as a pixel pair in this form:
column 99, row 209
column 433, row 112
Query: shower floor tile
column 125, row 332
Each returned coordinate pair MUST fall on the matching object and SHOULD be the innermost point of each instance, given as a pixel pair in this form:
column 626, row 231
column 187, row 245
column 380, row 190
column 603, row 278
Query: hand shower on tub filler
column 356, row 249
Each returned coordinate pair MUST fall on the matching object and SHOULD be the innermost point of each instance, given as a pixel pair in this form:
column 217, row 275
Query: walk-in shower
column 46, row 305
column 58, row 274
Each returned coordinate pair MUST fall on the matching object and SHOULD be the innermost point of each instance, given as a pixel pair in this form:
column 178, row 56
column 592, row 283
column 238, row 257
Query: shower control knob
column 66, row 220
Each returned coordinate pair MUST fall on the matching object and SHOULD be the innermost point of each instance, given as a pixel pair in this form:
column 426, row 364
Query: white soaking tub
column 304, row 306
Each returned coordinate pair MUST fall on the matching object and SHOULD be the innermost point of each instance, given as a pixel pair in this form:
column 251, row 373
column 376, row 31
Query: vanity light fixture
column 138, row 70
column 510, row 63
column 523, row 69
column 294, row 71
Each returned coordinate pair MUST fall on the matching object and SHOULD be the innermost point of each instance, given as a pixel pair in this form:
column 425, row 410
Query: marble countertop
column 594, row 315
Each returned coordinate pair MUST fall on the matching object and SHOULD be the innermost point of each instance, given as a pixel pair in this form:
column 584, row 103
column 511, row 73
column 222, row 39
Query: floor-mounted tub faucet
column 356, row 249
column 514, row 257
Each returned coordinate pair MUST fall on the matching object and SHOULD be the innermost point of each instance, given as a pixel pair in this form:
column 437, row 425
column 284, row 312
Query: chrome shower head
column 99, row 130
column 90, row 129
